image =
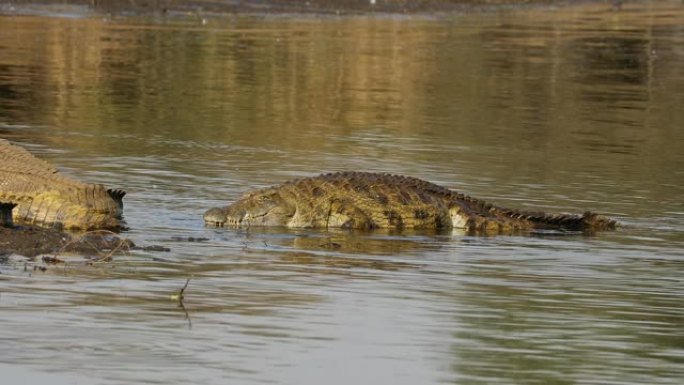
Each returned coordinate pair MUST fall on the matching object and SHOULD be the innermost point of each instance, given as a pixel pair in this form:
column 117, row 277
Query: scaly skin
column 362, row 200
column 45, row 198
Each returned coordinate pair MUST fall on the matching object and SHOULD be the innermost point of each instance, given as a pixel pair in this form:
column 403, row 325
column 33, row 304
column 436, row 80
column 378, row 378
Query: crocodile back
column 45, row 197
column 368, row 200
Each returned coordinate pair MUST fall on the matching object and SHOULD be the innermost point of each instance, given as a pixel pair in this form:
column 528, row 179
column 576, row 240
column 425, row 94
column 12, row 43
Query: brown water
column 565, row 109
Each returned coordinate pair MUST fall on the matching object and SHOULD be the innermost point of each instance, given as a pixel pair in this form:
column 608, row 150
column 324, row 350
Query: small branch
column 180, row 297
column 187, row 315
column 181, row 294
column 113, row 245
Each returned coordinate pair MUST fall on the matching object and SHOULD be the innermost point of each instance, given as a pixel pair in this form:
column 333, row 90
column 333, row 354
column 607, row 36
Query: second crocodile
column 362, row 200
column 33, row 192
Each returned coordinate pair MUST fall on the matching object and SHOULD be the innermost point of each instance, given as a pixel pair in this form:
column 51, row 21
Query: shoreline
column 187, row 8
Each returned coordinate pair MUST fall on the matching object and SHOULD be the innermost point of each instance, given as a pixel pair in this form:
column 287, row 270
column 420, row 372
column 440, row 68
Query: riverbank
column 323, row 7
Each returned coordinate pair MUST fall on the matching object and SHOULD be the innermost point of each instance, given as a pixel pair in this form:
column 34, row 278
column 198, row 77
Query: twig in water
column 180, row 296
column 187, row 315
column 113, row 245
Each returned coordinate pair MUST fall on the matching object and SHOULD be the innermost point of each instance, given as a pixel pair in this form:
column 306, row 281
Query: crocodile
column 364, row 200
column 33, row 192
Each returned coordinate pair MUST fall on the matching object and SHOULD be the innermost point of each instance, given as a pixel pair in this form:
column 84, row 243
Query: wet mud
column 34, row 241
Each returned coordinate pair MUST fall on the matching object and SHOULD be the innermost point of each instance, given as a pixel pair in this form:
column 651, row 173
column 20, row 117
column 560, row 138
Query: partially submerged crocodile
column 362, row 200
column 33, row 192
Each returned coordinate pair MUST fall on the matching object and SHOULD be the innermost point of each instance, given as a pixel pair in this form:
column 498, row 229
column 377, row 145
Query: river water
column 561, row 109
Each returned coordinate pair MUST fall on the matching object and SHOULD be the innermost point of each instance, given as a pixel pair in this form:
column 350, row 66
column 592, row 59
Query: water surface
column 568, row 109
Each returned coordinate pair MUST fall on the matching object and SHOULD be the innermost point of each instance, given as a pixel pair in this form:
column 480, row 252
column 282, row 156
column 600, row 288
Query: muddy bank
column 32, row 241
column 335, row 7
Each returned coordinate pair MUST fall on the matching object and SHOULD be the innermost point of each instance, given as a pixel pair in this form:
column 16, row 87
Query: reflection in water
column 624, row 61
column 563, row 110
column 379, row 91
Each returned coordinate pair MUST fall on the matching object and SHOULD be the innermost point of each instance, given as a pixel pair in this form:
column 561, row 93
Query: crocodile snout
column 215, row 217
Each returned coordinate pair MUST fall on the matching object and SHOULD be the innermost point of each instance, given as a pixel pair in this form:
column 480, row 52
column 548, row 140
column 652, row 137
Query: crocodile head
column 267, row 207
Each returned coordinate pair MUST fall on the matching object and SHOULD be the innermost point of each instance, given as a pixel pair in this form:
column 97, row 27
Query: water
column 566, row 109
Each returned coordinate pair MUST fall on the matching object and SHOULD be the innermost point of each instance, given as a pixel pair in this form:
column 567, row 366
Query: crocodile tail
column 587, row 222
column 595, row 222
column 97, row 197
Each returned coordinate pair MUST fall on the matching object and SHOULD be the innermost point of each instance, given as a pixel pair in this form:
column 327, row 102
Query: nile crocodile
column 33, row 192
column 362, row 200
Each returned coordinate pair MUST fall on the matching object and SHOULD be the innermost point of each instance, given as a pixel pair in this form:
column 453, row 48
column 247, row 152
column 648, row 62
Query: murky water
column 565, row 109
